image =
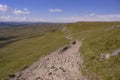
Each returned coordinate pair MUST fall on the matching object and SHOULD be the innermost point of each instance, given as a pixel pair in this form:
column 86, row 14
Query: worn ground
column 63, row 64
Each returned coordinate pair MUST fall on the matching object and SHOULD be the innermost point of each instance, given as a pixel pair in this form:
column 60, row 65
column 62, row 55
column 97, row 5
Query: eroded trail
column 63, row 64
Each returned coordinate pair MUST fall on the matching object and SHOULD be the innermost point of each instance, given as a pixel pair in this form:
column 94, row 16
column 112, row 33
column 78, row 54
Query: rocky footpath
column 63, row 64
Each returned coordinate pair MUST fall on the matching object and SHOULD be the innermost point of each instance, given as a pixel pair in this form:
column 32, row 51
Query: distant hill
column 15, row 24
column 2, row 24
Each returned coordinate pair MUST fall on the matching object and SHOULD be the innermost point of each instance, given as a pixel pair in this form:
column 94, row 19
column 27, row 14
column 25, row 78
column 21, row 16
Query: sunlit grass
column 97, row 38
column 22, row 53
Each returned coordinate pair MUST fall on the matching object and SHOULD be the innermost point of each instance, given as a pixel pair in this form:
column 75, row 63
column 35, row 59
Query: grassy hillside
column 98, row 38
column 21, row 46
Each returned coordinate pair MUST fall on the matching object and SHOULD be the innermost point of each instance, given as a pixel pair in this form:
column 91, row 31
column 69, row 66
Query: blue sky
column 59, row 10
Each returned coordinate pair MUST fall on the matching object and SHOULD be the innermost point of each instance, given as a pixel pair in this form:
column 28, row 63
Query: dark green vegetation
column 97, row 38
column 21, row 46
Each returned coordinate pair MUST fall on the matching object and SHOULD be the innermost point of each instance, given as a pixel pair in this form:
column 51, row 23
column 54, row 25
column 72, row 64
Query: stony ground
column 63, row 64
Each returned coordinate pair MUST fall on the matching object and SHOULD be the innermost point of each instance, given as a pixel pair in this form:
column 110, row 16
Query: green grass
column 19, row 54
column 97, row 39
column 20, row 47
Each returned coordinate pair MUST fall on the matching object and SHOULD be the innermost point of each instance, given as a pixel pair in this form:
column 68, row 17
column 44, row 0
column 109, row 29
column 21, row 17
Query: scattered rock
column 54, row 66
column 116, row 52
column 62, row 69
column 74, row 42
column 38, row 78
column 48, row 59
column 50, row 73
column 65, row 48
column 56, row 69
column 107, row 56
column 11, row 75
column 113, row 27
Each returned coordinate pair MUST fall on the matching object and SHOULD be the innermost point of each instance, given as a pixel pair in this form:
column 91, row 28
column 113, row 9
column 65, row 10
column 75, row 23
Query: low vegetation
column 98, row 38
column 21, row 46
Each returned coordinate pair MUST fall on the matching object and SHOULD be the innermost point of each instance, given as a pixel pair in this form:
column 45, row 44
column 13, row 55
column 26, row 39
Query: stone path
column 63, row 64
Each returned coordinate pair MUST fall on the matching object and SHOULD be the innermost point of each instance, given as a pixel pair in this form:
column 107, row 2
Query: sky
column 59, row 10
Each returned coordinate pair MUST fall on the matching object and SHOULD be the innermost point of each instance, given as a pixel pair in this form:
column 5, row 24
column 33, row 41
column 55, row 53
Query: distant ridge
column 15, row 24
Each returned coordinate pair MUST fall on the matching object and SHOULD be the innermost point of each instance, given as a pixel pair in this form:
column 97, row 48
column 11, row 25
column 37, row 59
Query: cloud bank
column 20, row 19
column 55, row 10
column 88, row 17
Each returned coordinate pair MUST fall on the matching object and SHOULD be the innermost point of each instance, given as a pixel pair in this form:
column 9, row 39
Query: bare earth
column 63, row 64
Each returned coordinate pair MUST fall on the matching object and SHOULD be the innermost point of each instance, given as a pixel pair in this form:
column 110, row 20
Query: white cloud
column 55, row 10
column 5, row 18
column 3, row 8
column 21, row 19
column 88, row 17
column 20, row 12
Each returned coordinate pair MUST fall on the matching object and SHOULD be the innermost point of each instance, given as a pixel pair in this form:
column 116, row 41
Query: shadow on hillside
column 5, row 41
column 7, row 38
